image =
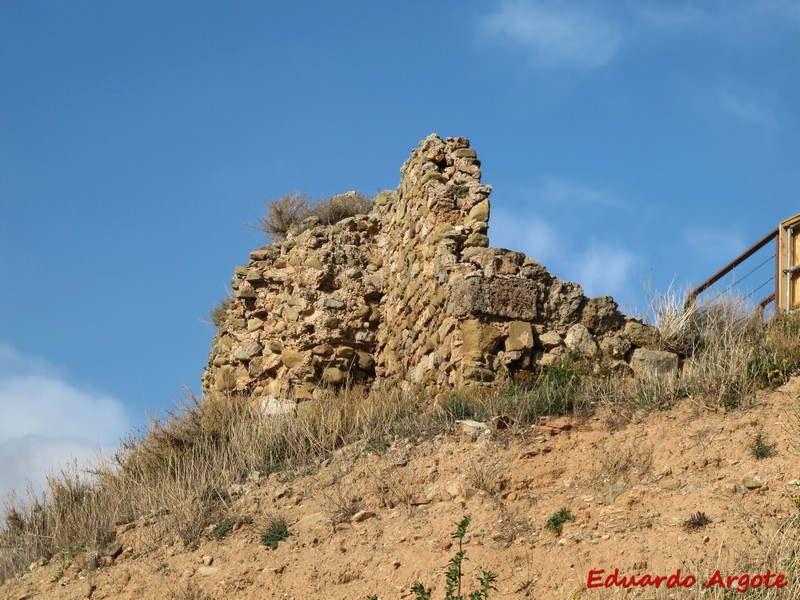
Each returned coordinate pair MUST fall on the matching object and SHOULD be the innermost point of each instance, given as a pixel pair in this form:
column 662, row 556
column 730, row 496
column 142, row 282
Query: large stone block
column 640, row 334
column 509, row 298
column 654, row 363
column 600, row 315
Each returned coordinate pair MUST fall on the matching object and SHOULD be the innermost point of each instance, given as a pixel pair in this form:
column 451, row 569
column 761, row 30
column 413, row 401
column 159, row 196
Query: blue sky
column 625, row 140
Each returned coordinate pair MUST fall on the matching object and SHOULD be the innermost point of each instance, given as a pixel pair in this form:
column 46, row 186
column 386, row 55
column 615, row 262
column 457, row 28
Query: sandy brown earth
column 632, row 482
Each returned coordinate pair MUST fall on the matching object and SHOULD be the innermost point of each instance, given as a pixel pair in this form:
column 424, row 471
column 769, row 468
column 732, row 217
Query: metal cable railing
column 692, row 297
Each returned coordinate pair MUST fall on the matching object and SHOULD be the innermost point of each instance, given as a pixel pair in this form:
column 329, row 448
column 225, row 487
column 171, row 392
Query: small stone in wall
column 248, row 350
column 580, row 341
column 640, row 334
column 480, row 212
column 478, row 337
column 345, row 352
column 292, row 358
column 550, row 339
column 330, row 303
column 615, row 346
column 365, row 361
column 333, row 376
column 520, row 336
column 255, row 324
column 322, row 350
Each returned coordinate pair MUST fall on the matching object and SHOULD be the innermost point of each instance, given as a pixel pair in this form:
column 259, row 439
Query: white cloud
column 28, row 460
column 600, row 267
column 522, row 233
column 747, row 111
column 46, row 422
column 555, row 34
column 604, row 269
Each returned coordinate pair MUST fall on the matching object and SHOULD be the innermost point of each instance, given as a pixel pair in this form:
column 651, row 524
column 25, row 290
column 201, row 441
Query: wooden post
column 787, row 276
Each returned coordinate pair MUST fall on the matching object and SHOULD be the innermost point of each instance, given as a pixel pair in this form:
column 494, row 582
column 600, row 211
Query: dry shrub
column 729, row 350
column 341, row 207
column 219, row 313
column 284, row 215
column 72, row 513
column 391, row 488
column 190, row 591
column 291, row 213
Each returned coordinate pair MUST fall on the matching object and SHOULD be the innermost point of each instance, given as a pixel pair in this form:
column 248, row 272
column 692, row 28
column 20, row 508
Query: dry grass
column 779, row 555
column 342, row 206
column 292, row 213
column 486, row 474
column 173, row 479
column 284, row 215
column 342, row 501
column 672, row 317
column 616, row 463
column 729, row 339
column 730, row 352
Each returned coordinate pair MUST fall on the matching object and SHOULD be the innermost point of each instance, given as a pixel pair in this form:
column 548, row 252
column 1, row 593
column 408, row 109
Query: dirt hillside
column 375, row 520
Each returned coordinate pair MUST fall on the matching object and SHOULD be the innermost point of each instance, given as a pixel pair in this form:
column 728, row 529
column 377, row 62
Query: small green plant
column 761, row 448
column 277, row 531
column 551, row 391
column 454, row 574
column 223, row 528
column 556, row 521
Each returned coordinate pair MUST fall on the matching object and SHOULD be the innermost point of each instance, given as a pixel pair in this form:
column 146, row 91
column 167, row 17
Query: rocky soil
column 375, row 520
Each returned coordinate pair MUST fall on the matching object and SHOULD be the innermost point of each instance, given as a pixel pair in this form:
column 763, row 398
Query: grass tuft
column 277, row 530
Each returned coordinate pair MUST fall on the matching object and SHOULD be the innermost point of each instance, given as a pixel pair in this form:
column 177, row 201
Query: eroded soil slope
column 373, row 521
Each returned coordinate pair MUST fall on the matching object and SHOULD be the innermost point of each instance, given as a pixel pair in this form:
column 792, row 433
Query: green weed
column 556, row 521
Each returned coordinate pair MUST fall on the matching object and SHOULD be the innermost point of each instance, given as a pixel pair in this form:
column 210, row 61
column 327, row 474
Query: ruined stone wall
column 409, row 293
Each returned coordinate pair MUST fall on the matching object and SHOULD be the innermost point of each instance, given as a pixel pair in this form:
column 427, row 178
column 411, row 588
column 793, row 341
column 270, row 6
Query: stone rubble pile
column 412, row 294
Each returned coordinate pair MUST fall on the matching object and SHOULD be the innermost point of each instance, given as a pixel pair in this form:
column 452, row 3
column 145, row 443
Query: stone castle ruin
column 410, row 294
